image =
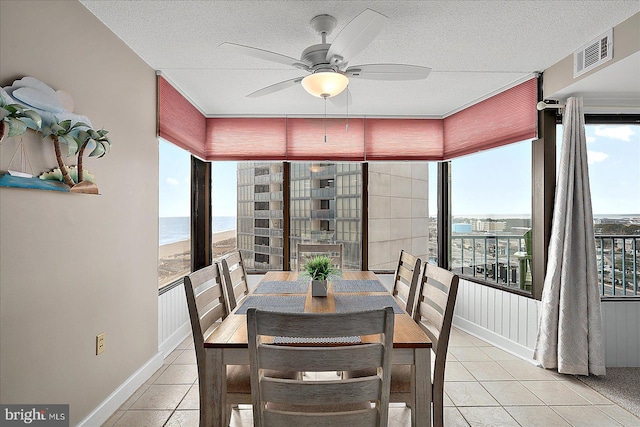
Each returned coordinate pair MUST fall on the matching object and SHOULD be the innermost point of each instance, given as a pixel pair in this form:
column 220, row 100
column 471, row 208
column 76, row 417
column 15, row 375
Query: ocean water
column 176, row 229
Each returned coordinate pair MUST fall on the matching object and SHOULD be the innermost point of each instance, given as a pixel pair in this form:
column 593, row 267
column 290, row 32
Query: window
column 402, row 212
column 174, row 229
column 226, row 210
column 259, row 203
column 613, row 156
column 490, row 236
column 326, row 207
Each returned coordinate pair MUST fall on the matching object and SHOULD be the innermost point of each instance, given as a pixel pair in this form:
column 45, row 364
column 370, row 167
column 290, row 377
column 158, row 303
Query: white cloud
column 591, row 139
column 622, row 133
column 172, row 181
column 596, row 156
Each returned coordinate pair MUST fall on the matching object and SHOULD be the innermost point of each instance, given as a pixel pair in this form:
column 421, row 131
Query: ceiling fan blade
column 275, row 88
column 355, row 36
column 265, row 55
column 388, row 72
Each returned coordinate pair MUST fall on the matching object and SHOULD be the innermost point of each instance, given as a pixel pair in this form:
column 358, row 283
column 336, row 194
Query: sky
column 494, row 182
column 613, row 154
column 175, row 181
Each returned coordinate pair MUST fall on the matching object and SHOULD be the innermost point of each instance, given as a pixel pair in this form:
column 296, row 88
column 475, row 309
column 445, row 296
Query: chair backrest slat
column 362, row 418
column 208, row 293
column 336, row 392
column 278, row 402
column 434, row 314
column 357, row 357
column 235, row 281
column 406, row 280
column 320, row 325
column 437, row 293
column 206, row 304
column 306, row 251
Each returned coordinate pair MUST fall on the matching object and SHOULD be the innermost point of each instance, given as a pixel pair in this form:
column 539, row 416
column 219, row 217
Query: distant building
column 461, row 228
column 490, row 226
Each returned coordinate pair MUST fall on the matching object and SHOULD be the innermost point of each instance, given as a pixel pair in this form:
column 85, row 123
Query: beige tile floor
column 484, row 386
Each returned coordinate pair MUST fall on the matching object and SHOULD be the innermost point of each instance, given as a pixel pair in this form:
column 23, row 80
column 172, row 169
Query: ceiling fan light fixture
column 325, row 84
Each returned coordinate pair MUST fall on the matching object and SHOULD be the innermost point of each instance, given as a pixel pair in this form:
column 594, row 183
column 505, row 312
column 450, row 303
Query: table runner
column 282, row 287
column 340, row 286
column 285, row 303
column 350, row 303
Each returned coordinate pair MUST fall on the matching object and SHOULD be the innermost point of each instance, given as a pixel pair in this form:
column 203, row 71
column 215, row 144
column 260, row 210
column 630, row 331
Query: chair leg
column 227, row 415
column 438, row 409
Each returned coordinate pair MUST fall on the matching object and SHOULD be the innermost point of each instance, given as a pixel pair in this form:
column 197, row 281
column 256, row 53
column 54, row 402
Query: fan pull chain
column 347, row 126
column 325, row 119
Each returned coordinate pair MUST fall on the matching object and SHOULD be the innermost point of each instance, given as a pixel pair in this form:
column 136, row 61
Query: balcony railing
column 267, row 214
column 263, row 249
column 323, row 193
column 327, row 171
column 262, row 179
column 618, row 267
column 323, row 214
column 503, row 259
column 273, row 232
column 262, row 197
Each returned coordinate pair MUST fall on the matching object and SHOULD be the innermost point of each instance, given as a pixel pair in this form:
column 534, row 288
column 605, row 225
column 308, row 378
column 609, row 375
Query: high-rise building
column 260, row 214
column 325, row 206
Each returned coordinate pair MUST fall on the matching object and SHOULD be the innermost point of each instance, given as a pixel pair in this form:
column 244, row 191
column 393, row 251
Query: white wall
column 626, row 42
column 621, row 328
column 505, row 319
column 511, row 322
column 73, row 266
column 173, row 319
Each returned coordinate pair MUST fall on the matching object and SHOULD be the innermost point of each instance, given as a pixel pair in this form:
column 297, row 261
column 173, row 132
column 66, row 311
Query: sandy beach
column 174, row 259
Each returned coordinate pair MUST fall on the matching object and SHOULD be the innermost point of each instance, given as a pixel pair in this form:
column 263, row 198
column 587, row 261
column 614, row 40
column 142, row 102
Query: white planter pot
column 319, row 288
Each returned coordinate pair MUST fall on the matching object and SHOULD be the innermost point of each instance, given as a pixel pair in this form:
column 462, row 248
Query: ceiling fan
column 328, row 63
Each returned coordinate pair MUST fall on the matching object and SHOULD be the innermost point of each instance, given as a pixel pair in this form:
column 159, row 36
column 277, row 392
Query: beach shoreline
column 174, row 259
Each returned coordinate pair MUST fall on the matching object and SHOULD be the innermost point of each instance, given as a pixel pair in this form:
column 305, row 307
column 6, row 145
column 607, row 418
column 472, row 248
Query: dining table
column 286, row 291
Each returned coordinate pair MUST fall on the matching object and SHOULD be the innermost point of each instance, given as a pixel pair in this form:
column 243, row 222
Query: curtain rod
column 544, row 105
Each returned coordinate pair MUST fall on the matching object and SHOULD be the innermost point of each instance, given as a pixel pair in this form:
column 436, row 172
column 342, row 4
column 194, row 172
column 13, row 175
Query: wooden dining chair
column 355, row 403
column 207, row 308
column 308, row 250
column 234, row 279
column 406, row 280
column 434, row 313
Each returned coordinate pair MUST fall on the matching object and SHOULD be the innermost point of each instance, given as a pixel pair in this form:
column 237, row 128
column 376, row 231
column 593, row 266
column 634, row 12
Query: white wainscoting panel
column 621, row 328
column 506, row 320
column 173, row 319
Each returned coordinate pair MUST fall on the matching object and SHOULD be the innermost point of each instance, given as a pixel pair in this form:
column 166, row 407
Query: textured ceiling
column 474, row 48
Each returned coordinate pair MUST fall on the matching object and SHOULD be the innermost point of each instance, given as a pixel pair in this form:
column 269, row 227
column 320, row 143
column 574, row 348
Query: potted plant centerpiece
column 320, row 268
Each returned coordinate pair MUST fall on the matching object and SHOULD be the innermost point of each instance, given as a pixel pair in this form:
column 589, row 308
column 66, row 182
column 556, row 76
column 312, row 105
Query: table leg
column 421, row 411
column 213, row 409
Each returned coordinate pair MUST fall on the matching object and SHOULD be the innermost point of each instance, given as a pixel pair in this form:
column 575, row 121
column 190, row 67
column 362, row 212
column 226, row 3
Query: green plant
column 320, row 268
column 11, row 119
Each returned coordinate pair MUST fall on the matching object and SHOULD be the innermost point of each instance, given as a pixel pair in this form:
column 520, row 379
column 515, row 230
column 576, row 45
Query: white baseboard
column 497, row 340
column 175, row 339
column 111, row 404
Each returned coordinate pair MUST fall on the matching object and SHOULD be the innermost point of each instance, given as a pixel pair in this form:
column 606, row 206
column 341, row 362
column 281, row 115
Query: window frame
column 543, row 193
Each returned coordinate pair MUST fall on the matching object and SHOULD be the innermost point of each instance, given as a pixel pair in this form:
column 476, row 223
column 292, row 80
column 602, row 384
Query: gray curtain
column 570, row 323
